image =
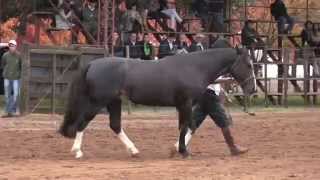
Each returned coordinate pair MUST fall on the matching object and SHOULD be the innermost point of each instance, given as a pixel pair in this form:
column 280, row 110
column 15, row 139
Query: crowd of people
column 212, row 15
column 170, row 44
column 78, row 16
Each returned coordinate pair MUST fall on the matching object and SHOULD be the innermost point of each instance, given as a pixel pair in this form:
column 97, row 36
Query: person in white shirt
column 210, row 104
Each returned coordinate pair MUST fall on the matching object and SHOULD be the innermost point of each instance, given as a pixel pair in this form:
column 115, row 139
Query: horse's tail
column 78, row 97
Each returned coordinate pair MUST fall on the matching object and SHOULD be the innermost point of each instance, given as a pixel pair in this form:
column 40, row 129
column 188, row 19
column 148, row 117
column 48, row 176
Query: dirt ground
column 283, row 145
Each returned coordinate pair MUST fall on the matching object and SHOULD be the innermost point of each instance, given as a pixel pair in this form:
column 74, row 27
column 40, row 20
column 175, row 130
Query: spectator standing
column 65, row 16
column 134, row 47
column 131, row 21
column 118, row 50
column 309, row 36
column 169, row 9
column 217, row 13
column 197, row 43
column 146, row 48
column 251, row 39
column 11, row 63
column 90, row 17
column 280, row 13
column 211, row 14
column 152, row 10
column 168, row 46
column 182, row 43
column 64, row 21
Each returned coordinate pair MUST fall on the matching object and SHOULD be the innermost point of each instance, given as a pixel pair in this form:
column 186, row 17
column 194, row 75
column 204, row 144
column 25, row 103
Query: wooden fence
column 46, row 73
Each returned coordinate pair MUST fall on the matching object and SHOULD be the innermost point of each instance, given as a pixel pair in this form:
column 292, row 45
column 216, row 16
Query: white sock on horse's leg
column 77, row 145
column 128, row 143
column 187, row 139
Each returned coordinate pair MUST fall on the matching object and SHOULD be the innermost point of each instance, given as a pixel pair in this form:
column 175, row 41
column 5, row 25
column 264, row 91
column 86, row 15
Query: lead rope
column 230, row 102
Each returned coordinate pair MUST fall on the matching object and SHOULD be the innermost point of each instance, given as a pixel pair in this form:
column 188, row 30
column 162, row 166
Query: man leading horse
column 172, row 81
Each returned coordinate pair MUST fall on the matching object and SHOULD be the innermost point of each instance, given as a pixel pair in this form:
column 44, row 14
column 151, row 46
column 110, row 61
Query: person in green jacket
column 11, row 63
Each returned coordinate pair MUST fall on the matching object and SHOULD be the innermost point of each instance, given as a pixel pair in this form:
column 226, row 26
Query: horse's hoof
column 185, row 154
column 135, row 155
column 79, row 154
column 173, row 152
column 134, row 152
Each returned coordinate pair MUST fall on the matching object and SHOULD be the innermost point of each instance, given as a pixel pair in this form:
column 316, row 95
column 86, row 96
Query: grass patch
column 257, row 104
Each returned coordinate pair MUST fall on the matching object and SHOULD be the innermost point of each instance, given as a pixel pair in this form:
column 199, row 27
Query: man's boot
column 234, row 149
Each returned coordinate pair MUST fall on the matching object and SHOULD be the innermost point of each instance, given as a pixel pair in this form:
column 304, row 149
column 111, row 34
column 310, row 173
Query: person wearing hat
column 11, row 63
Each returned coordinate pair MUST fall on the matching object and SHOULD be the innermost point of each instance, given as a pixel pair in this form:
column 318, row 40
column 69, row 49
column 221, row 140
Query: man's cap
column 12, row 42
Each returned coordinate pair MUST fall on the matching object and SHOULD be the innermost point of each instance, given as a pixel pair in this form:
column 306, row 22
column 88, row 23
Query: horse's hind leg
column 114, row 109
column 87, row 117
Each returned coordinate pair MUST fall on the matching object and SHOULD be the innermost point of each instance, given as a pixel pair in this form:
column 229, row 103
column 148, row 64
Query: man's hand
column 229, row 100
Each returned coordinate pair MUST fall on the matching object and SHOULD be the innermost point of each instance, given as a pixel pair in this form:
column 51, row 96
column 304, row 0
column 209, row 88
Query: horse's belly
column 152, row 97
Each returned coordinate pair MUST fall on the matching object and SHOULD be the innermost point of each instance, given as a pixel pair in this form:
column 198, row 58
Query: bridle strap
column 232, row 69
column 246, row 80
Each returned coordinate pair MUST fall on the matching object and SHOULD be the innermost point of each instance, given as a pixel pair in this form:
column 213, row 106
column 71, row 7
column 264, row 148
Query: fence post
column 285, row 76
column 315, row 81
column 128, row 100
column 25, row 75
column 53, row 90
column 266, row 84
column 305, row 83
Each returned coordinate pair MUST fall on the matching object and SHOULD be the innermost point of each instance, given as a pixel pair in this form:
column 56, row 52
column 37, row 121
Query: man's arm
column 3, row 61
column 20, row 63
column 223, row 80
column 226, row 95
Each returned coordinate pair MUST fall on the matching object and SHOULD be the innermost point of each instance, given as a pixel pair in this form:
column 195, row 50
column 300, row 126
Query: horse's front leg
column 76, row 147
column 114, row 109
column 86, row 118
column 185, row 112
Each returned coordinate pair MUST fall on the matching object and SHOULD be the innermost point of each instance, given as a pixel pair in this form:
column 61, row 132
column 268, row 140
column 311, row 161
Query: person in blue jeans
column 11, row 63
column 280, row 13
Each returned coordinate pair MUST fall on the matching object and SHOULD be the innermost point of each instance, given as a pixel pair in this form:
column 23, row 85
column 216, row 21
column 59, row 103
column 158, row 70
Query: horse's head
column 242, row 70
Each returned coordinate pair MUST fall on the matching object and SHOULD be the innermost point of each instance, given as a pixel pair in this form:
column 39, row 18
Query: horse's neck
column 215, row 64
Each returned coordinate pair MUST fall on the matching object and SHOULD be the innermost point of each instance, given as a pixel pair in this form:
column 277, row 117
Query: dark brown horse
column 172, row 81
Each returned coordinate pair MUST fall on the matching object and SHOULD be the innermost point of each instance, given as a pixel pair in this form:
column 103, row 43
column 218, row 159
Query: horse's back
column 105, row 77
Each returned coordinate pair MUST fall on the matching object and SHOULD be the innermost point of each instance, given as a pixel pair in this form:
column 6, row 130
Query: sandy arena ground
column 283, row 145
